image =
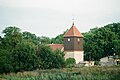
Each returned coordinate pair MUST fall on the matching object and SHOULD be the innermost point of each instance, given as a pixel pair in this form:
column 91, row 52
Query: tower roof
column 73, row 31
column 56, row 46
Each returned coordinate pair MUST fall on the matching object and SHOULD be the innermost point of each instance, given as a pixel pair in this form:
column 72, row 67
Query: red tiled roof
column 56, row 46
column 73, row 31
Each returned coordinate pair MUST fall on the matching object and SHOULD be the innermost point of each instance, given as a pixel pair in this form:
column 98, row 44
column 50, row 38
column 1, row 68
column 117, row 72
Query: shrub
column 70, row 62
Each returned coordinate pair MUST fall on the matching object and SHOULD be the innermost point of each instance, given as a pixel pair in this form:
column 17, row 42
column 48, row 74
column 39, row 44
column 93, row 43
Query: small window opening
column 68, row 39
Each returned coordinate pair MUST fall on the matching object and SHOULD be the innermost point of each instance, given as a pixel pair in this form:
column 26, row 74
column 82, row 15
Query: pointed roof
column 73, row 31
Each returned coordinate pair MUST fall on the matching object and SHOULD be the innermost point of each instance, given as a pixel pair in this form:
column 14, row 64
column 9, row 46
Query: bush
column 96, row 62
column 70, row 62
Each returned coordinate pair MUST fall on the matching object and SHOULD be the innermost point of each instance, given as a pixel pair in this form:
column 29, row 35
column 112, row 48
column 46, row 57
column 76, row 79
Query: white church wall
column 77, row 55
column 69, row 55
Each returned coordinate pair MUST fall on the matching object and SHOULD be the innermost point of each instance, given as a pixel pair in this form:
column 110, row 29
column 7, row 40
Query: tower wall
column 77, row 55
column 68, row 43
column 73, row 43
column 78, row 44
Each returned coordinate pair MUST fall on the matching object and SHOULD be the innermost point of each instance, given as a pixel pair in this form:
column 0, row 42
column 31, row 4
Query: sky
column 52, row 17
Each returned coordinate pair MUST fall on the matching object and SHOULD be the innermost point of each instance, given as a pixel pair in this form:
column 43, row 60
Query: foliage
column 96, row 62
column 86, row 73
column 12, row 37
column 45, row 40
column 24, row 57
column 116, row 44
column 21, row 51
column 59, row 60
column 5, row 61
column 34, row 39
column 45, row 54
column 101, row 42
column 70, row 62
column 24, row 51
column 49, row 58
column 58, row 39
column 29, row 37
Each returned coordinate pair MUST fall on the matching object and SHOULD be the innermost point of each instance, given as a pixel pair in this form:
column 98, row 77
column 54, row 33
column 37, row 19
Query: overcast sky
column 52, row 17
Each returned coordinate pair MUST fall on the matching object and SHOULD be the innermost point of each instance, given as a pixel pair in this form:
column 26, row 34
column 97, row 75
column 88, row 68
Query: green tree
column 88, row 45
column 116, row 48
column 24, row 57
column 12, row 37
column 49, row 58
column 59, row 60
column 31, row 37
column 45, row 55
column 5, row 61
column 45, row 40
column 17, row 53
column 101, row 42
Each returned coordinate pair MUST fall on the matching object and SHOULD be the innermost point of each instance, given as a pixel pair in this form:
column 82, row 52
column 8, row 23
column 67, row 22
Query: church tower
column 73, row 44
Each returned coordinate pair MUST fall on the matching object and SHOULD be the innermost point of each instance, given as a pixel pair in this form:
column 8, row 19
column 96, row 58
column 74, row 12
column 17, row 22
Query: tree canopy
column 101, row 42
column 21, row 51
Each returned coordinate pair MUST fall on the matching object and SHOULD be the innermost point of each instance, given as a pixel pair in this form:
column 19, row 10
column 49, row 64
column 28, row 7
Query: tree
column 5, row 61
column 12, row 37
column 45, row 55
column 49, row 58
column 31, row 37
column 24, row 57
column 88, row 41
column 59, row 60
column 17, row 53
column 101, row 42
column 115, row 27
column 116, row 48
column 0, row 39
column 45, row 40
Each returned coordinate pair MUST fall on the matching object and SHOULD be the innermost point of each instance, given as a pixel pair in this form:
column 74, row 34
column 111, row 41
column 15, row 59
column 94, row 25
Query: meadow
column 84, row 73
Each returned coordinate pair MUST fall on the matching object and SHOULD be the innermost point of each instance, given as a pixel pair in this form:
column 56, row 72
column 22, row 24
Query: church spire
column 73, row 21
column 73, row 32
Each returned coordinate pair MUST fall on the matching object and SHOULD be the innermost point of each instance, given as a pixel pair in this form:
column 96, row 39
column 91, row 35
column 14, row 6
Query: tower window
column 78, row 39
column 68, row 39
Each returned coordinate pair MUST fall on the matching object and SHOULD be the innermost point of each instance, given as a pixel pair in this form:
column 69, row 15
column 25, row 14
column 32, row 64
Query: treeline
column 102, row 42
column 99, row 42
column 24, row 51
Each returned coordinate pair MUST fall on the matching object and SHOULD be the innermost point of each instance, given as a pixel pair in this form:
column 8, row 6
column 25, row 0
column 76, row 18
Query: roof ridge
column 73, row 31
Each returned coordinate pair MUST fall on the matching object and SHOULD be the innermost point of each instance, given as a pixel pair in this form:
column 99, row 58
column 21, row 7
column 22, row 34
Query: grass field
column 85, row 73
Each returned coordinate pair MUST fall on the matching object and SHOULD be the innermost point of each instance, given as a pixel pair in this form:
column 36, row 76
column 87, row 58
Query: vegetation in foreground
column 85, row 73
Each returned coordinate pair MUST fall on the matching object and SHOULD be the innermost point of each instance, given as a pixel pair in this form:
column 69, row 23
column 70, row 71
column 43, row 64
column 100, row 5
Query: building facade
column 73, row 44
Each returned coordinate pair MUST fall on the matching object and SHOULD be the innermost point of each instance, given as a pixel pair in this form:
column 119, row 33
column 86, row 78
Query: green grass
column 85, row 73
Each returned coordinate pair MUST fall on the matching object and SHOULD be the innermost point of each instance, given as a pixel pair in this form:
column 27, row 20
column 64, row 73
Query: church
column 73, row 44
